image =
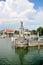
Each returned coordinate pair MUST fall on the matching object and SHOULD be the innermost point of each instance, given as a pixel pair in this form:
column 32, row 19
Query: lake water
column 11, row 56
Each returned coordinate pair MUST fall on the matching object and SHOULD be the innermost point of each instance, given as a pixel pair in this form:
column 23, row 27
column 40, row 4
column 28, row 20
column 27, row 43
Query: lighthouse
column 21, row 30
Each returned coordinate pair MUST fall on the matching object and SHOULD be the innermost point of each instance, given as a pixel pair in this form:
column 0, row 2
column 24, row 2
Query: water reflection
column 11, row 56
column 30, row 56
column 21, row 52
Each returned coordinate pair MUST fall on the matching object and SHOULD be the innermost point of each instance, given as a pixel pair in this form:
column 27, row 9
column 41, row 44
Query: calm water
column 11, row 56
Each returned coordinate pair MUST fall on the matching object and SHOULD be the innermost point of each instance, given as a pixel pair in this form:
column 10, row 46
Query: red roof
column 9, row 30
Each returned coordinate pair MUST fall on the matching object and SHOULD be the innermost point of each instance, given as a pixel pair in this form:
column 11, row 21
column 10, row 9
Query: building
column 23, row 32
column 9, row 32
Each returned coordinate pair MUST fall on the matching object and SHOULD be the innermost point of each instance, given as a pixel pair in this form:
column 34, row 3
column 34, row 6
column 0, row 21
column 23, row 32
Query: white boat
column 3, row 36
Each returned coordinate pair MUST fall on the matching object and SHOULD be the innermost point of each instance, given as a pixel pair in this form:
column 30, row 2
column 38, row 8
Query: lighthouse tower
column 21, row 30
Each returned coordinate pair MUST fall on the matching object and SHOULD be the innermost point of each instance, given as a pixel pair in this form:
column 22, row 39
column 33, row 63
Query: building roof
column 9, row 30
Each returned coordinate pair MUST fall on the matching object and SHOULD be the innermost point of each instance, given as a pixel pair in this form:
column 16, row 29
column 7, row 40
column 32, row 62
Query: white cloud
column 16, row 10
column 39, row 15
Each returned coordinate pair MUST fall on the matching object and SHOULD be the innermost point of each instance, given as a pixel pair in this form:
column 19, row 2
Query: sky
column 12, row 12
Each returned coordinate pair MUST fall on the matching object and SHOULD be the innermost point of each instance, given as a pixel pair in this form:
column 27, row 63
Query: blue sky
column 14, row 11
column 38, row 3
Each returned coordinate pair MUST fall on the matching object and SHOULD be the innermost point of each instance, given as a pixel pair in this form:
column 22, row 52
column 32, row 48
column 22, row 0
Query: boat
column 3, row 36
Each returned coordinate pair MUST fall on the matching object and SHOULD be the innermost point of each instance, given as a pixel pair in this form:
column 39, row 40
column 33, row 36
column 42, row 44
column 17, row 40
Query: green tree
column 33, row 32
column 1, row 32
column 40, row 30
column 16, row 32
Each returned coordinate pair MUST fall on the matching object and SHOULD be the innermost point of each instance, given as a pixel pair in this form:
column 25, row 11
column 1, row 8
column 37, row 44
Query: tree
column 33, row 32
column 16, row 32
column 1, row 32
column 40, row 30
